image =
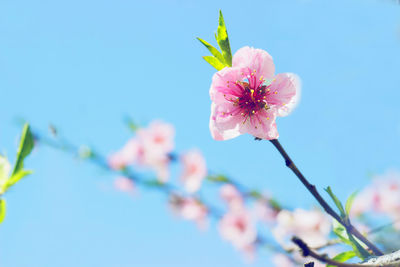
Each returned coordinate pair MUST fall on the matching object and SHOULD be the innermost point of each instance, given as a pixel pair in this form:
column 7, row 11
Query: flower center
column 252, row 100
column 249, row 96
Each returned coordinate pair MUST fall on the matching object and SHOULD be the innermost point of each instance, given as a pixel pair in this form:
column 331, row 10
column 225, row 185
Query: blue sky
column 84, row 65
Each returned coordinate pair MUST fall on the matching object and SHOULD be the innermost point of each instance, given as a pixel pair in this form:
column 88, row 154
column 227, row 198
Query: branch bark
column 389, row 260
column 313, row 190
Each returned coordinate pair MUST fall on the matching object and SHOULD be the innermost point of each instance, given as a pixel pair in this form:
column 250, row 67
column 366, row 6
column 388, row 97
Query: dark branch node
column 303, row 246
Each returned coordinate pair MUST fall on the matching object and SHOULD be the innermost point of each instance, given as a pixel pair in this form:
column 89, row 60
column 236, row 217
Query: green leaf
column 85, row 152
column 218, row 178
column 336, row 201
column 213, row 61
column 16, row 177
column 342, row 257
column 348, row 239
column 214, row 51
column 131, row 124
column 275, row 204
column 25, row 147
column 255, row 194
column 341, row 232
column 349, row 202
column 5, row 169
column 153, row 183
column 223, row 40
column 2, row 210
column 360, row 251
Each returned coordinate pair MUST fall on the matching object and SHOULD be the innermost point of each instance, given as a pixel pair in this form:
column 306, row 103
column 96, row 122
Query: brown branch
column 306, row 251
column 313, row 190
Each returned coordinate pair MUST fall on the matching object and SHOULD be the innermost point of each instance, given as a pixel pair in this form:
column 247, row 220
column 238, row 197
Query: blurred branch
column 382, row 227
column 167, row 188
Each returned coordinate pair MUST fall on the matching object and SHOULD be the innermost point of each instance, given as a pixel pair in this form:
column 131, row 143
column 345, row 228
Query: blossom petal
column 223, row 84
column 286, row 93
column 222, row 125
column 255, row 59
column 261, row 125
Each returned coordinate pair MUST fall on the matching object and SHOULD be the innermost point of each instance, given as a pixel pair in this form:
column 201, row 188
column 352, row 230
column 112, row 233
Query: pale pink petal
column 285, row 89
column 158, row 138
column 223, row 84
column 126, row 156
column 191, row 209
column 281, row 260
column 222, row 125
column 261, row 125
column 362, row 203
column 194, row 170
column 162, row 170
column 255, row 59
column 237, row 227
column 116, row 161
column 231, row 195
column 312, row 226
column 264, row 212
column 124, row 184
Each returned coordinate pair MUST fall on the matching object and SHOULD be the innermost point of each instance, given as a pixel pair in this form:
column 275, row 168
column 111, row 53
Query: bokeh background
column 84, row 65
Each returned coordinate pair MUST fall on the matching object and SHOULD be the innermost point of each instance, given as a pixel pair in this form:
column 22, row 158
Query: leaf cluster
column 7, row 179
column 223, row 58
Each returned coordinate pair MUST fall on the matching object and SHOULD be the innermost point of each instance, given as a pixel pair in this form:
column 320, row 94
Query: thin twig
column 379, row 228
column 312, row 189
column 324, row 258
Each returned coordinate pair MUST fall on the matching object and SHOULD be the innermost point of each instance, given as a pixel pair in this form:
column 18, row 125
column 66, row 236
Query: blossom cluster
column 382, row 196
column 238, row 223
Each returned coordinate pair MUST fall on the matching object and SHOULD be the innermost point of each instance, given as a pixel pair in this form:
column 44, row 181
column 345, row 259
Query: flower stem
column 313, row 190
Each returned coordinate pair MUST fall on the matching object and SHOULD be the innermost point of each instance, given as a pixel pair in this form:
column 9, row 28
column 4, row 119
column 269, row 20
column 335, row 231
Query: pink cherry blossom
column 263, row 211
column 363, row 202
column 157, row 141
column 124, row 184
column 157, row 138
column 312, row 226
column 194, row 170
column 190, row 209
column 382, row 196
column 237, row 227
column 126, row 156
column 149, row 149
column 231, row 195
column 247, row 97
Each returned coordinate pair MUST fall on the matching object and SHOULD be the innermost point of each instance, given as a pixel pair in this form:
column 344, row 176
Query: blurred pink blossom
column 157, row 141
column 281, row 260
column 263, row 211
column 363, row 202
column 126, row 156
column 150, row 149
column 194, row 170
column 312, row 226
column 190, row 209
column 237, row 227
column 124, row 184
column 247, row 97
column 382, row 196
column 231, row 195
column 157, row 138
